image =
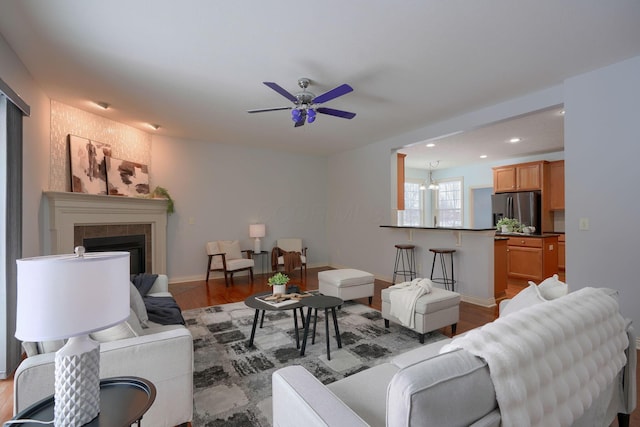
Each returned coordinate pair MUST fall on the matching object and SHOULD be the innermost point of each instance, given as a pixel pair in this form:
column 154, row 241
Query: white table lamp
column 71, row 296
column 257, row 231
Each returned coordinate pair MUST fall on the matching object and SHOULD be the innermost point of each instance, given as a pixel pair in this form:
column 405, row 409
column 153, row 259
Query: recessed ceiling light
column 515, row 140
column 154, row 126
column 483, row 156
column 103, row 105
column 431, row 145
column 562, row 112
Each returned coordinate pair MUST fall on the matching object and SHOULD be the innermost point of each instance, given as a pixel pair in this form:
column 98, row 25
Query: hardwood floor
column 198, row 294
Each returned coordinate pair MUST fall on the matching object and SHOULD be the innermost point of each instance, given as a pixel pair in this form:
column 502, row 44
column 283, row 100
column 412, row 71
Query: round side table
column 326, row 303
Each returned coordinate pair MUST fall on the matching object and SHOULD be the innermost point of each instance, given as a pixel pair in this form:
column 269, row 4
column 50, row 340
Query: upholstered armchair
column 226, row 256
column 288, row 255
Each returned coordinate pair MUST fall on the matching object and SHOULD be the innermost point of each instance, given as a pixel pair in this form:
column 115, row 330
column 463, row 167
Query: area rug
column 232, row 382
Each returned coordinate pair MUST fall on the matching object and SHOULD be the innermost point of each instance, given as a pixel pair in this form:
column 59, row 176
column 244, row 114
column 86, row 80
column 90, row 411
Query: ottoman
column 434, row 310
column 346, row 284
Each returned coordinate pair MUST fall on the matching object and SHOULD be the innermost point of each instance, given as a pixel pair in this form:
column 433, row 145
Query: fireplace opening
column 134, row 244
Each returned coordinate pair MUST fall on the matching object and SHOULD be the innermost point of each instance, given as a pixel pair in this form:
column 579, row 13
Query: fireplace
column 74, row 217
column 134, row 244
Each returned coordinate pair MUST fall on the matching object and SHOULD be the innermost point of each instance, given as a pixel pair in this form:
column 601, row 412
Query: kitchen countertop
column 540, row 236
column 437, row 228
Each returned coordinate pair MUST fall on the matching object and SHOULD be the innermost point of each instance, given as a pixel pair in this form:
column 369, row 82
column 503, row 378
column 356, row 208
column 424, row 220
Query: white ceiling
column 196, row 66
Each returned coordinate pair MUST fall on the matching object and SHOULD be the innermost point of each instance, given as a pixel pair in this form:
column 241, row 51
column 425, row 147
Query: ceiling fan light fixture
column 311, row 115
column 295, row 115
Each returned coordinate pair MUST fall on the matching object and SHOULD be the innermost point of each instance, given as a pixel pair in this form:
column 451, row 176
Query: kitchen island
column 473, row 261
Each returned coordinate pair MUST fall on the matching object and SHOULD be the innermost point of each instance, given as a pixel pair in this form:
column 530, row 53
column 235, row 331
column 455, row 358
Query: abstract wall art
column 86, row 158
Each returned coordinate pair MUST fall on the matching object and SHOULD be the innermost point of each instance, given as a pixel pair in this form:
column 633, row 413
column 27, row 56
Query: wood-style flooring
column 197, row 294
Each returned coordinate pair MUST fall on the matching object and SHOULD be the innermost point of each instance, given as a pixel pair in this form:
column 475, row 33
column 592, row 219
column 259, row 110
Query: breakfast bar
column 473, row 262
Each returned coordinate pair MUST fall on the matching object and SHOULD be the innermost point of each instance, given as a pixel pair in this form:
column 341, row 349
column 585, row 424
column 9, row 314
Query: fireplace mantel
column 66, row 210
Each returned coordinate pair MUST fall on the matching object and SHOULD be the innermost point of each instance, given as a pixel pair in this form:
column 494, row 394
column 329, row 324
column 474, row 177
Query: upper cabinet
column 556, row 177
column 520, row 177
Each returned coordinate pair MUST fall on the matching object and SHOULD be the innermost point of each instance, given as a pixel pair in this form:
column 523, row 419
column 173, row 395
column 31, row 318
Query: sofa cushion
column 128, row 329
column 137, row 305
column 231, row 248
column 369, row 405
column 419, row 354
column 552, row 288
column 432, row 391
column 527, row 297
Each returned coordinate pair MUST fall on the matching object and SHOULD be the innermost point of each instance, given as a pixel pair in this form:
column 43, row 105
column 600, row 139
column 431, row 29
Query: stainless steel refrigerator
column 525, row 206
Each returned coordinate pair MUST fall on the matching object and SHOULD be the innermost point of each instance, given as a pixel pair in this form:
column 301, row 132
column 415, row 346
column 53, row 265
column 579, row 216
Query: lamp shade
column 63, row 296
column 256, row 230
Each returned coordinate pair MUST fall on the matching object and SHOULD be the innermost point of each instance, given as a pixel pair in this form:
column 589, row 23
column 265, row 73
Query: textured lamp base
column 77, row 387
column 256, row 245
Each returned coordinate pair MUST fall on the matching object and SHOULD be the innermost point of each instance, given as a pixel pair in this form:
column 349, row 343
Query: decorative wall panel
column 126, row 142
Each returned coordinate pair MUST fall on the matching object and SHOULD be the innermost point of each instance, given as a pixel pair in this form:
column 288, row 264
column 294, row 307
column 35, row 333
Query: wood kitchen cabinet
column 500, row 268
column 531, row 258
column 556, row 190
column 561, row 257
column 520, row 177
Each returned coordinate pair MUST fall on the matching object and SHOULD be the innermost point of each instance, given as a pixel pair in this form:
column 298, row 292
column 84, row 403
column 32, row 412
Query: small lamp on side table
column 71, row 296
column 257, row 231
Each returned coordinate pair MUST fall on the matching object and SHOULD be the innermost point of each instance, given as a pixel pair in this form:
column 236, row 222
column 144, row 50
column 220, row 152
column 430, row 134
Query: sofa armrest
column 164, row 358
column 299, row 399
column 160, row 285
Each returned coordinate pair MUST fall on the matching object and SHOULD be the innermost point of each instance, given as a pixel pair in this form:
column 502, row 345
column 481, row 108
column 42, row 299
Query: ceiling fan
column 305, row 103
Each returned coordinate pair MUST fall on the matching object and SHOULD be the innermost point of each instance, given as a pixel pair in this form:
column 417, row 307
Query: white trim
column 66, row 210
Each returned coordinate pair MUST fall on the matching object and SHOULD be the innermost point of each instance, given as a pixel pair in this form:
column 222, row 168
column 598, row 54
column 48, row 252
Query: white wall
column 220, row 189
column 602, row 148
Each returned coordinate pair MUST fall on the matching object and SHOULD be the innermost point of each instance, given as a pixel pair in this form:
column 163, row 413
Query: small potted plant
column 509, row 225
column 279, row 283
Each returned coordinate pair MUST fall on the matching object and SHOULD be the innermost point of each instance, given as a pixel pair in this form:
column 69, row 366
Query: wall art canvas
column 125, row 178
column 87, row 166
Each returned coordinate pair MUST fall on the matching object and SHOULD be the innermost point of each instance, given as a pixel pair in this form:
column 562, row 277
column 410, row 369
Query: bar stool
column 444, row 280
column 405, row 262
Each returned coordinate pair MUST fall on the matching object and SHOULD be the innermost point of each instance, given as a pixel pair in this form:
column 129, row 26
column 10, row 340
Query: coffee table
column 258, row 305
column 326, row 303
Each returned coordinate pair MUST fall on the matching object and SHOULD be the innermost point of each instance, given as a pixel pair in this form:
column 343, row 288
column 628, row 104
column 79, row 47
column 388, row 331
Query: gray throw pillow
column 137, row 305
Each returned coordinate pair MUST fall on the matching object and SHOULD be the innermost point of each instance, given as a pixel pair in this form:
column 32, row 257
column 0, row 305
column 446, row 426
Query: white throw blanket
column 403, row 299
column 550, row 361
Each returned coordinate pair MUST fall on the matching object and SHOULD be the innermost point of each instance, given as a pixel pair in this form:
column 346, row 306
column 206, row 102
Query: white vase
column 279, row 289
column 505, row 228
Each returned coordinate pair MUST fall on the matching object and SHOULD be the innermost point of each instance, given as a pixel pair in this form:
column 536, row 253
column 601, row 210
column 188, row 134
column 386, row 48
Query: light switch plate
column 583, row 224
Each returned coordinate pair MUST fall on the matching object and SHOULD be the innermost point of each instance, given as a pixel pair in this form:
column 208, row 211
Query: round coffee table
column 326, row 303
column 254, row 302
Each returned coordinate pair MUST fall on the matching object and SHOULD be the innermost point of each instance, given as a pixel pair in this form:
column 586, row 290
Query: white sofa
column 160, row 354
column 425, row 388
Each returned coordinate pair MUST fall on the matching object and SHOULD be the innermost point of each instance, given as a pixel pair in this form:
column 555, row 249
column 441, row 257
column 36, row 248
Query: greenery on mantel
column 163, row 193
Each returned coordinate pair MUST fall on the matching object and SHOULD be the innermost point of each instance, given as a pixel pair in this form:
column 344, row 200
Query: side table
column 326, row 303
column 123, row 401
column 262, row 255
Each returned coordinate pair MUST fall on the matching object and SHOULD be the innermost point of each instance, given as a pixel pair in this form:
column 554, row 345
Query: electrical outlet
column 583, row 224
column 550, row 247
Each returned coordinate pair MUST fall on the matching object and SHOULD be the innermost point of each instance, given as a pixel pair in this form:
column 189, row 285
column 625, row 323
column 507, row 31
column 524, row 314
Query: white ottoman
column 346, row 284
column 434, row 310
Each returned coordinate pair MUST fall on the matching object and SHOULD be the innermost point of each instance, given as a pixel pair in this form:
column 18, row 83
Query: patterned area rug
column 232, row 383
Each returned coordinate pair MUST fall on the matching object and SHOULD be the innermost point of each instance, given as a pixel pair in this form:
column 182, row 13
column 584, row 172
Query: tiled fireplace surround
column 75, row 216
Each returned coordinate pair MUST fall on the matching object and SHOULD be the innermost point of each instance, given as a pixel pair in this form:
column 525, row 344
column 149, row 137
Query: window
column 448, row 209
column 412, row 214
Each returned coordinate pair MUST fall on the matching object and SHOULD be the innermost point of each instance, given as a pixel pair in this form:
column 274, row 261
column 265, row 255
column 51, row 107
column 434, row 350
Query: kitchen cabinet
column 561, row 257
column 500, row 268
column 531, row 258
column 556, row 190
column 520, row 177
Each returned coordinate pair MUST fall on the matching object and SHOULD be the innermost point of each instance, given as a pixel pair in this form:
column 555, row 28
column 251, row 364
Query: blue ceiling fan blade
column 333, row 93
column 336, row 113
column 262, row 110
column 282, row 91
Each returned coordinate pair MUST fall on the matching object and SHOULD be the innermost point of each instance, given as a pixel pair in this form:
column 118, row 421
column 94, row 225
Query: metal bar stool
column 405, row 262
column 444, row 280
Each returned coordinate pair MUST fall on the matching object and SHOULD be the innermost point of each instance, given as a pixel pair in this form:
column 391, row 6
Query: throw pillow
column 128, row 329
column 137, row 305
column 231, row 248
column 552, row 288
column 526, row 298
